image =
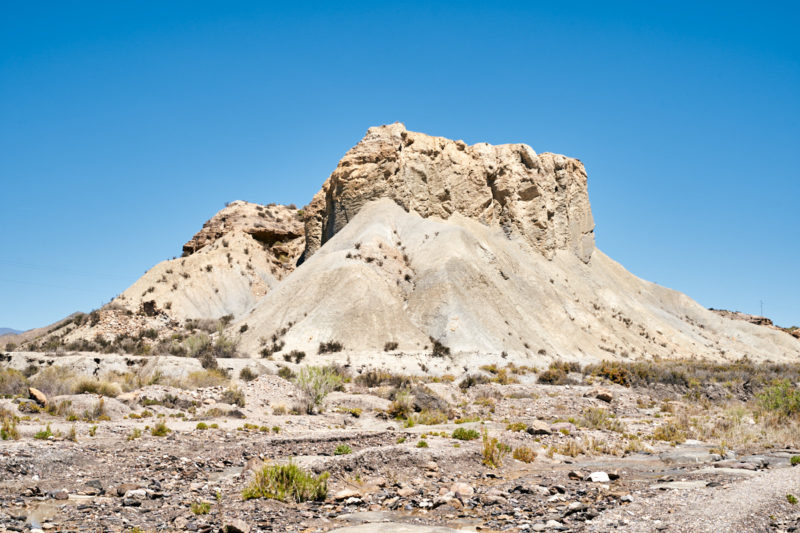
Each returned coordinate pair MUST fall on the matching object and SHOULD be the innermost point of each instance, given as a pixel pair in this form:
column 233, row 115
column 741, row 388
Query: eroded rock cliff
column 542, row 198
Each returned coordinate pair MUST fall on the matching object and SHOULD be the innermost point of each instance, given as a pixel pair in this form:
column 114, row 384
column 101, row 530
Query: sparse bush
column 134, row 434
column 204, row 378
column 279, row 409
column 792, row 499
column 199, row 508
column 781, row 398
column 247, row 374
column 390, row 346
column 315, row 383
column 233, row 396
column 294, row 355
column 330, row 347
column 472, row 380
column 439, row 349
column 54, row 381
column 94, row 386
column 343, row 449
column 422, row 443
column 8, row 426
column 465, row 434
column 669, row 432
column 524, row 454
column 286, row 373
column 493, row 450
column 430, row 417
column 160, row 430
column 613, row 371
column 376, row 378
column 287, row 483
column 12, row 382
column 516, row 426
column 403, row 404
column 596, row 418
column 43, row 434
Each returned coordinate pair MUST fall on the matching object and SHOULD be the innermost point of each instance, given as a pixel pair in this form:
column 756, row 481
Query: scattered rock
column 539, row 427
column 235, row 526
column 598, row 477
column 38, row 396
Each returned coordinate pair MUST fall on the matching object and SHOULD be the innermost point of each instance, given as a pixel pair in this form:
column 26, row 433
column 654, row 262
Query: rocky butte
column 421, row 254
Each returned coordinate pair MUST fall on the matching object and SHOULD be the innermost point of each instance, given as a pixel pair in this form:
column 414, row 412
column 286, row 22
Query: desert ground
column 122, row 443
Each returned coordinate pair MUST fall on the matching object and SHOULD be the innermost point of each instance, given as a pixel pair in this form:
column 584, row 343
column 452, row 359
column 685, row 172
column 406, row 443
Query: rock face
column 542, row 198
column 757, row 320
column 277, row 226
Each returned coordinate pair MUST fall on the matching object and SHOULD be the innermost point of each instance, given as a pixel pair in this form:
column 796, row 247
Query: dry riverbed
column 582, row 457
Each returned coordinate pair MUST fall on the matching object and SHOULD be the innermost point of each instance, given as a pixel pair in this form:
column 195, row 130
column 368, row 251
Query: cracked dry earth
column 107, row 482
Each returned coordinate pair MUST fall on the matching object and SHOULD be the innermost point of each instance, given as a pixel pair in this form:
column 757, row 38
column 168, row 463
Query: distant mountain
column 9, row 331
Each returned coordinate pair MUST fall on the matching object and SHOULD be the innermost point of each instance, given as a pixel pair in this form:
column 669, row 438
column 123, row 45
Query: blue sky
column 124, row 126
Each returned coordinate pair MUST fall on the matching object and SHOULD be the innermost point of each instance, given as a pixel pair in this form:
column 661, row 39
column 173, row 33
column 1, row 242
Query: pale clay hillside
column 416, row 243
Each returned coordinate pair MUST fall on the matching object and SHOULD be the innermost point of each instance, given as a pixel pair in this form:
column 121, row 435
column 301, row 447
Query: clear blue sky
column 125, row 125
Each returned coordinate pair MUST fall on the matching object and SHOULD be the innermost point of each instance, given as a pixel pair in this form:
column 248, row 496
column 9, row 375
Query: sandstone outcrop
column 542, row 198
column 277, row 226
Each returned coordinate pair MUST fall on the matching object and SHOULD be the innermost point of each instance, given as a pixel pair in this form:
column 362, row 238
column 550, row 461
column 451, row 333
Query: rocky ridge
column 542, row 198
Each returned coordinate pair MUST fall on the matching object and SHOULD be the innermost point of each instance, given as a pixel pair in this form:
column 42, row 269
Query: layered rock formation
column 541, row 198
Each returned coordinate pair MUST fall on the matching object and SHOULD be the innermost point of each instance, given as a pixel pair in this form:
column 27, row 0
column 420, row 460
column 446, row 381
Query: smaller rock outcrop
column 268, row 224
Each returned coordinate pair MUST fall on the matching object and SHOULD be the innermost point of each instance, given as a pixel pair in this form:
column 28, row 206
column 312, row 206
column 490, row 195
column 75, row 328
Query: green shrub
column 160, row 430
column 201, row 426
column 524, row 454
column 422, row 443
column 613, row 371
column 315, row 383
column 669, row 432
column 287, row 483
column 135, row 434
column 199, row 508
column 8, row 426
column 286, row 373
column 792, row 499
column 465, row 434
column 493, row 450
column 795, row 460
column 781, row 398
column 343, row 449
column 43, row 434
column 403, row 404
column 517, row 426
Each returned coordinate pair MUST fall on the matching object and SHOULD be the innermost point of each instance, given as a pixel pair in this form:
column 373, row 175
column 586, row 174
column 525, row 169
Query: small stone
column 598, row 477
column 139, row 494
column 627, row 498
column 603, row 395
column 236, row 526
column 431, row 466
column 462, row 491
column 406, row 492
column 575, row 474
column 345, row 494
column 125, row 487
column 60, row 494
column 539, row 427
